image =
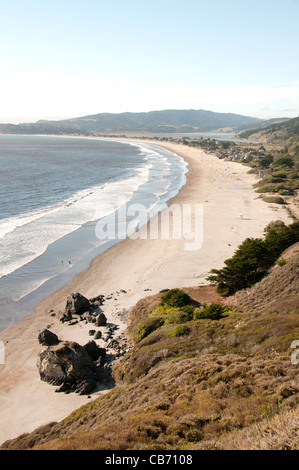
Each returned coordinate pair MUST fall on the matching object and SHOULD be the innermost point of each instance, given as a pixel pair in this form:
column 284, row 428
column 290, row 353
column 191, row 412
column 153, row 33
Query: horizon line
column 34, row 120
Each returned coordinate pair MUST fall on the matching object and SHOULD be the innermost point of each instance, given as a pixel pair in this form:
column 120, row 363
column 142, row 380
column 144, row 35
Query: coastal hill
column 167, row 121
column 204, row 372
column 286, row 132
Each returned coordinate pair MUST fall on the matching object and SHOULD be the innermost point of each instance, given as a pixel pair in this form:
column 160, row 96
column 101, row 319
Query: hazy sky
column 69, row 58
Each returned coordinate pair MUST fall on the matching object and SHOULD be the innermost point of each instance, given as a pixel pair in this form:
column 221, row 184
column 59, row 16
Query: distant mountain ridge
column 167, row 121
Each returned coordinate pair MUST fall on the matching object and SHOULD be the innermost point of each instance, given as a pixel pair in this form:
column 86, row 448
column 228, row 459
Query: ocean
column 54, row 191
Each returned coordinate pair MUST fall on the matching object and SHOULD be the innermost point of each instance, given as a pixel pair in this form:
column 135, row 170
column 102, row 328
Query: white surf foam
column 27, row 236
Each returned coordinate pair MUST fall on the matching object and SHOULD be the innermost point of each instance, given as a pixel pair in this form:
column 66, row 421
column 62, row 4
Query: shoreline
column 150, row 182
column 140, row 267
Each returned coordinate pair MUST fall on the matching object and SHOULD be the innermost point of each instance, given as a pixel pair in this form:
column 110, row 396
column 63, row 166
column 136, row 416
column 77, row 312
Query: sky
column 69, row 58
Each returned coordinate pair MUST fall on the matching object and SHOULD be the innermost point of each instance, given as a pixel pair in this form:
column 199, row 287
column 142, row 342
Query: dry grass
column 280, row 433
column 180, row 403
column 226, row 384
column 277, row 292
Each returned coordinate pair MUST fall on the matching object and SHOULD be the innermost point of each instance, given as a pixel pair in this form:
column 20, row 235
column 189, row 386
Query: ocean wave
column 27, row 236
column 33, row 245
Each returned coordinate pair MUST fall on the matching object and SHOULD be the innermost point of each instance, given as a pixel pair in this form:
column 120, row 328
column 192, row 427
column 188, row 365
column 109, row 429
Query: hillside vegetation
column 204, row 372
column 283, row 131
column 167, row 121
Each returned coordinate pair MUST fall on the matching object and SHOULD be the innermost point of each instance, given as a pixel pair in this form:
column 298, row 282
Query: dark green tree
column 266, row 161
column 252, row 259
column 284, row 161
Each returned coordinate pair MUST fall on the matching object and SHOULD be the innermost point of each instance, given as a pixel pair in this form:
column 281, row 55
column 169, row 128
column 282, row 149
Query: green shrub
column 274, row 200
column 212, row 312
column 282, row 262
column 163, row 309
column 284, row 161
column 146, row 327
column 279, row 174
column 176, row 298
column 189, row 309
column 276, row 225
column 179, row 317
column 179, row 330
column 267, row 188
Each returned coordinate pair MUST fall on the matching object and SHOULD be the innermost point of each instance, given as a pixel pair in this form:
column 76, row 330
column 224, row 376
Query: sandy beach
column 232, row 211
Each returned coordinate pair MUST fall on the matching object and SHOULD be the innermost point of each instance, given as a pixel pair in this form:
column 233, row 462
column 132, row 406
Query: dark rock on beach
column 47, row 338
column 80, row 308
column 64, row 316
column 101, row 320
column 77, row 304
column 68, row 365
column 99, row 300
column 94, row 350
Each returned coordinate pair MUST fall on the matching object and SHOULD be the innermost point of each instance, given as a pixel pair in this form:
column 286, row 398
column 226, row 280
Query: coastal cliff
column 197, row 382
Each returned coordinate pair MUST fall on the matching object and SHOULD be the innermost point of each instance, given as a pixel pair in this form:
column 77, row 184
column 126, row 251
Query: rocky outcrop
column 94, row 350
column 76, row 304
column 70, row 366
column 79, row 308
column 79, row 368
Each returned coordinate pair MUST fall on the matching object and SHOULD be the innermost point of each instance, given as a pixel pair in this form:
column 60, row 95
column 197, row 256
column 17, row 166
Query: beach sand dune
column 232, row 211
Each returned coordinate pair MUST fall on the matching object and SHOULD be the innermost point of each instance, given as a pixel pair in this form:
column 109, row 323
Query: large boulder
column 69, row 365
column 76, row 304
column 47, row 338
column 101, row 319
column 94, row 350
